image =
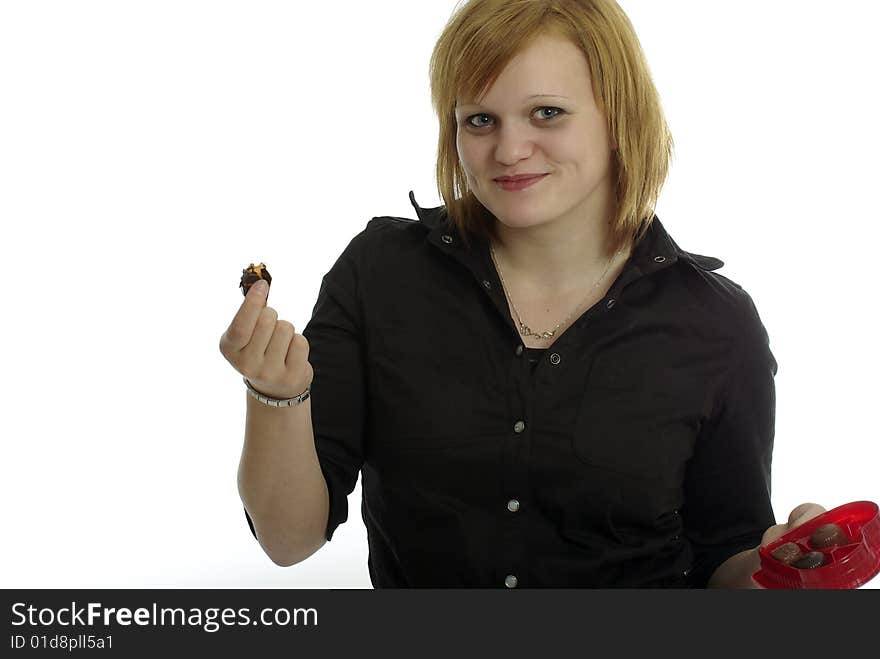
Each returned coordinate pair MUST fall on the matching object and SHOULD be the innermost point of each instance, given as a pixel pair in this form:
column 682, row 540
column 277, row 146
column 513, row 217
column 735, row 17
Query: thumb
column 263, row 290
column 259, row 290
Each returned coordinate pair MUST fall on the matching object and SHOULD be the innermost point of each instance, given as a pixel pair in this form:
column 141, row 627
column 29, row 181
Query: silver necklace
column 524, row 329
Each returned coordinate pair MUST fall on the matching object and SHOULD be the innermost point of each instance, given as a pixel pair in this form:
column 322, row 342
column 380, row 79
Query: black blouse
column 533, row 356
column 634, row 452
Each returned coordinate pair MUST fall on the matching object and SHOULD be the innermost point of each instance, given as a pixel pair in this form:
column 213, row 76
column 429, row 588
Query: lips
column 518, row 177
column 521, row 184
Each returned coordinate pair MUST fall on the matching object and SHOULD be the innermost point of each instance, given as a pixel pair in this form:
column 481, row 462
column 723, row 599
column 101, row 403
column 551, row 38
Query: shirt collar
column 656, row 251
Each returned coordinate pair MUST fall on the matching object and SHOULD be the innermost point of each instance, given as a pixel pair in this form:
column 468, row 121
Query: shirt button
column 447, row 238
column 513, row 505
column 487, row 284
column 610, row 303
column 519, row 350
column 519, row 426
column 510, row 581
column 555, row 358
column 659, row 259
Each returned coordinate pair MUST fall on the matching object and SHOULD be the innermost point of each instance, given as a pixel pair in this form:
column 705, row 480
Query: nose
column 514, row 144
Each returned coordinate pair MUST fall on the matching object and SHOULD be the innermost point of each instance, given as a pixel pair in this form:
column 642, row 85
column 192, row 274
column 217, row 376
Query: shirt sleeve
column 727, row 504
column 337, row 395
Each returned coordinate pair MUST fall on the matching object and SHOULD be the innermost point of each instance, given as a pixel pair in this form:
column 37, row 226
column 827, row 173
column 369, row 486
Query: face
column 563, row 135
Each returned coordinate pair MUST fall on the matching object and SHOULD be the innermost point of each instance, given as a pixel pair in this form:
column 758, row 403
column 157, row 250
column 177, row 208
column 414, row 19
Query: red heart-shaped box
column 846, row 566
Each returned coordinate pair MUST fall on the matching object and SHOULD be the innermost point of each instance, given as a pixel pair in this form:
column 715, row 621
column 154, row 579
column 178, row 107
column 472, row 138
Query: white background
column 151, row 150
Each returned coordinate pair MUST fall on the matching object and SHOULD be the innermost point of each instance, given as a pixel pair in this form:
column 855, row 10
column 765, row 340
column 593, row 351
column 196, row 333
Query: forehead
column 528, row 99
column 550, row 67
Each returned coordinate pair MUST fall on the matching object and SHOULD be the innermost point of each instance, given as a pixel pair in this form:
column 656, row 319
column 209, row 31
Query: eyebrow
column 528, row 98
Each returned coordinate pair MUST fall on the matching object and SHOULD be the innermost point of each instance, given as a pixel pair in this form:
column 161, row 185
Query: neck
column 557, row 256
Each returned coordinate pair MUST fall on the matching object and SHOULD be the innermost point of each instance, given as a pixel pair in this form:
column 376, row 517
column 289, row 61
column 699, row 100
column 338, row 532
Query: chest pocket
column 422, row 396
column 637, row 418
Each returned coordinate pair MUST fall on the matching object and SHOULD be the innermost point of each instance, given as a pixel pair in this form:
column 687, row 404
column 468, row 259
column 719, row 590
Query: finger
column 804, row 513
column 276, row 351
column 298, row 351
column 241, row 329
column 265, row 328
column 773, row 534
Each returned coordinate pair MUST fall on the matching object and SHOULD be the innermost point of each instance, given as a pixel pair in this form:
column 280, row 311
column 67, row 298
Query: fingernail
column 261, row 287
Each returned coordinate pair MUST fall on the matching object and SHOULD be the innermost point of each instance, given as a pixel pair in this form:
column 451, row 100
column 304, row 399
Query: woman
column 537, row 385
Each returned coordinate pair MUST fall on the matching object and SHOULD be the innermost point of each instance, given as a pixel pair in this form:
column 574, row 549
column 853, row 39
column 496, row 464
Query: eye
column 559, row 112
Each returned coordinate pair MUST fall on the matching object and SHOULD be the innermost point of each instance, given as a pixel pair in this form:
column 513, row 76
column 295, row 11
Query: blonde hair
column 482, row 36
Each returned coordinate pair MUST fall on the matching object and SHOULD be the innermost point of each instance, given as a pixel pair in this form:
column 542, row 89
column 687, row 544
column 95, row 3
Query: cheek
column 571, row 146
column 590, row 157
column 466, row 151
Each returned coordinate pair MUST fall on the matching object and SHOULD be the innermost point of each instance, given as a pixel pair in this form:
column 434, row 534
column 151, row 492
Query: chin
column 520, row 221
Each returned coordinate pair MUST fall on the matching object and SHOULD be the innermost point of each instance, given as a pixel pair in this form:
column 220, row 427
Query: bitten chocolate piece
column 252, row 274
column 829, row 535
column 787, row 553
column 810, row 561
